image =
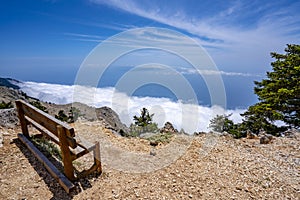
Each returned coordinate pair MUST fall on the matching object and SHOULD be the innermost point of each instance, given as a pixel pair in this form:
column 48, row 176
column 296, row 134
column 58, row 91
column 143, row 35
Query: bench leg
column 97, row 159
column 66, row 155
column 22, row 119
column 97, row 163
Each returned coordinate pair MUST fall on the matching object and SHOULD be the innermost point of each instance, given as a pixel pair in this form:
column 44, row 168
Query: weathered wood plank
column 22, row 118
column 63, row 181
column 66, row 154
column 97, row 158
column 44, row 119
column 83, row 147
column 71, row 141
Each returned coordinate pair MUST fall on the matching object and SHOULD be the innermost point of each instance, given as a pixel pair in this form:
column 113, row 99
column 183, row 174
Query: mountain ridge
column 9, row 92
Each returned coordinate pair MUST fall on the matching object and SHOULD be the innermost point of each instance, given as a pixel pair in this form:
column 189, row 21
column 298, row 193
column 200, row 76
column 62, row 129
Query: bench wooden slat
column 79, row 146
column 44, row 119
column 83, row 147
column 71, row 141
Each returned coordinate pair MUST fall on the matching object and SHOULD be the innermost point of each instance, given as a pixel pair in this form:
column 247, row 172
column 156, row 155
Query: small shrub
column 38, row 105
column 161, row 138
column 136, row 131
column 47, row 147
column 4, row 105
column 72, row 116
column 24, row 94
column 62, row 116
column 222, row 123
column 237, row 133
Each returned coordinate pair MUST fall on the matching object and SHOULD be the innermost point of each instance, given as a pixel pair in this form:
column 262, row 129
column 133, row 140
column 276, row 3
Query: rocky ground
column 201, row 167
column 207, row 166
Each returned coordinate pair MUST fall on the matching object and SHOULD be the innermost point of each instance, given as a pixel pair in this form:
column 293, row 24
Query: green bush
column 24, row 95
column 4, row 105
column 47, row 147
column 72, row 116
column 222, row 123
column 38, row 105
column 161, row 138
column 142, row 124
column 62, row 116
column 136, row 131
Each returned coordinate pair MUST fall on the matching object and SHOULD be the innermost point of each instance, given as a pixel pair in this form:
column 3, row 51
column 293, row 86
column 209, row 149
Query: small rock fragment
column 152, row 152
column 153, row 143
column 251, row 135
column 266, row 139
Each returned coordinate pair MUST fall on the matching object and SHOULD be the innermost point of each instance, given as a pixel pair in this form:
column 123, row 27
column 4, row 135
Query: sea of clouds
column 189, row 117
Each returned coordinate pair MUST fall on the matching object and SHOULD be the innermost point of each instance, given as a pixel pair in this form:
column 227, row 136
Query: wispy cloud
column 222, row 25
column 84, row 37
column 161, row 69
column 215, row 72
column 240, row 26
column 105, row 25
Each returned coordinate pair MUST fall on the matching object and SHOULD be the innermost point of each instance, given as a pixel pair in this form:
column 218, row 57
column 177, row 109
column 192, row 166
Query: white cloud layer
column 189, row 117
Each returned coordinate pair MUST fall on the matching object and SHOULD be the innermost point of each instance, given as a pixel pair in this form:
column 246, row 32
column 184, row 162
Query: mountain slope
column 8, row 82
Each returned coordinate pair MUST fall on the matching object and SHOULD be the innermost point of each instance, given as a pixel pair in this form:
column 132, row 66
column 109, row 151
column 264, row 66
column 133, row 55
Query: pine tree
column 278, row 94
column 221, row 123
column 145, row 118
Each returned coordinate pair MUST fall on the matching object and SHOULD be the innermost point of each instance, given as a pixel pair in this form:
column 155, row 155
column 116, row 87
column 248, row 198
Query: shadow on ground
column 53, row 185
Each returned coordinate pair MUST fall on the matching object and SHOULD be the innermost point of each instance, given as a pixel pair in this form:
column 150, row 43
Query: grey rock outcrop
column 111, row 120
column 10, row 95
column 168, row 128
column 8, row 118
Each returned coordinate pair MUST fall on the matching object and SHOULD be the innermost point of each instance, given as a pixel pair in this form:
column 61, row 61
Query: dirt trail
column 204, row 167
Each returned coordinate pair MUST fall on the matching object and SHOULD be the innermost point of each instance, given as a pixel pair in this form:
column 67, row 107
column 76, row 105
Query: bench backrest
column 44, row 119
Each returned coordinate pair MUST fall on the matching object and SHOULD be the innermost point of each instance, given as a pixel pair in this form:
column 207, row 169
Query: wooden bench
column 62, row 134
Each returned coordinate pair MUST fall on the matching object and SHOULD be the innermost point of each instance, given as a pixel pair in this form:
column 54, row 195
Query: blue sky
column 47, row 40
